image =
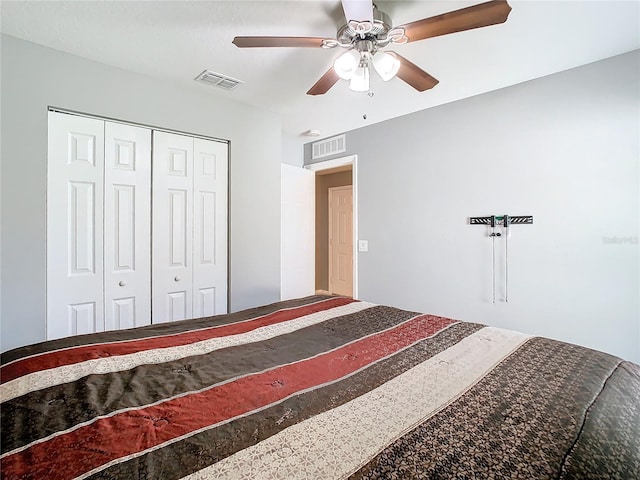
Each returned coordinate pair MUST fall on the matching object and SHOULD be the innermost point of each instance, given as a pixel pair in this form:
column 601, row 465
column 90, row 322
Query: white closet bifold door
column 210, row 228
column 74, row 225
column 135, row 234
column 127, row 230
column 172, row 230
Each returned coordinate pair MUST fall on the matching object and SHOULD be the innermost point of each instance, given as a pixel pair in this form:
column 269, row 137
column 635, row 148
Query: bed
column 320, row 387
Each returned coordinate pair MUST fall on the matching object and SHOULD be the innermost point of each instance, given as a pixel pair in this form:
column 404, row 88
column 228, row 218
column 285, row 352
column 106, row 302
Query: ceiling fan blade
column 323, row 85
column 358, row 10
column 248, row 42
column 482, row 15
column 414, row 75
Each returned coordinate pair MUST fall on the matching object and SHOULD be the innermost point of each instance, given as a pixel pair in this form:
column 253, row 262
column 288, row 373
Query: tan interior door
column 341, row 240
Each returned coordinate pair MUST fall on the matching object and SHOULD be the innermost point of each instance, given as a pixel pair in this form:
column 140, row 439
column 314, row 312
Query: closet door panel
column 121, row 253
column 172, row 227
column 210, row 228
column 75, row 303
column 127, row 242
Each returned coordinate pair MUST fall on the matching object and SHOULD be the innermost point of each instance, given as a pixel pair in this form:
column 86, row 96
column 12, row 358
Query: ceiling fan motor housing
column 376, row 35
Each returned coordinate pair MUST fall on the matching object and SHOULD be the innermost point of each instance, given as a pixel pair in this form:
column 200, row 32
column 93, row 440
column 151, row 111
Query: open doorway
column 335, row 231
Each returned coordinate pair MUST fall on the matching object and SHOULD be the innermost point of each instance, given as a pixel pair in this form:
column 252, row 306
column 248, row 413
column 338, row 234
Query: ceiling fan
column 368, row 31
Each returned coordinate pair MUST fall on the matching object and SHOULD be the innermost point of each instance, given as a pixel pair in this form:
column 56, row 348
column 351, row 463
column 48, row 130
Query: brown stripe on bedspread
column 611, row 431
column 65, row 358
column 203, row 449
column 155, row 329
column 518, row 422
column 43, row 412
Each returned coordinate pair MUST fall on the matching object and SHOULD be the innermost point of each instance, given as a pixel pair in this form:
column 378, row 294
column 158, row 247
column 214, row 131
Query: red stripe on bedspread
column 94, row 445
column 60, row 358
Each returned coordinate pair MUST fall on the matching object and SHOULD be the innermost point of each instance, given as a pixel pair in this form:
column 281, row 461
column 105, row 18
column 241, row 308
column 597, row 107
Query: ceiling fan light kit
column 368, row 31
column 347, row 63
column 386, row 64
column 360, row 82
column 354, row 65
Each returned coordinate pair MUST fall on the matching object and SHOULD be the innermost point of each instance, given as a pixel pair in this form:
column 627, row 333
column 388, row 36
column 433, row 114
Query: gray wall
column 33, row 78
column 564, row 148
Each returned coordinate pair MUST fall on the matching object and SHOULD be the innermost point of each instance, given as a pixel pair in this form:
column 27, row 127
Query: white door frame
column 339, row 162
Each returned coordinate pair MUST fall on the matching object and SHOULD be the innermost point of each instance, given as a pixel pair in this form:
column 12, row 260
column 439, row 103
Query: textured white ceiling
column 176, row 40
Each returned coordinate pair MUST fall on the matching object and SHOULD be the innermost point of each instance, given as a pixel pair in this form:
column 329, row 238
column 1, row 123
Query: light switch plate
column 363, row 245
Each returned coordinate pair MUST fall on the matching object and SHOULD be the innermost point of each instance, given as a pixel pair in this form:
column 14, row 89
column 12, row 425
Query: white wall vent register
column 218, row 80
column 329, row 146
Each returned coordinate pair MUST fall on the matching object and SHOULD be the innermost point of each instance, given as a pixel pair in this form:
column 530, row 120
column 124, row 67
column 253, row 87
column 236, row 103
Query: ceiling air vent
column 218, row 80
column 329, row 146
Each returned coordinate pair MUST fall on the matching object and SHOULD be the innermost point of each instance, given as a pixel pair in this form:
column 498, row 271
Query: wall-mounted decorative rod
column 521, row 219
column 505, row 221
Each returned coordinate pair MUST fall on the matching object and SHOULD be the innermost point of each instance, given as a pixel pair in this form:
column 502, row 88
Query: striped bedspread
column 317, row 388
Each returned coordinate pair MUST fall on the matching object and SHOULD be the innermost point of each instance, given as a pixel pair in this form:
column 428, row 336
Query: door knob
column 122, row 283
column 177, row 279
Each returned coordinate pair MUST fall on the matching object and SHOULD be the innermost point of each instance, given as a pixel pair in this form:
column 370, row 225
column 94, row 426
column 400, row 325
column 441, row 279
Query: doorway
column 340, row 275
